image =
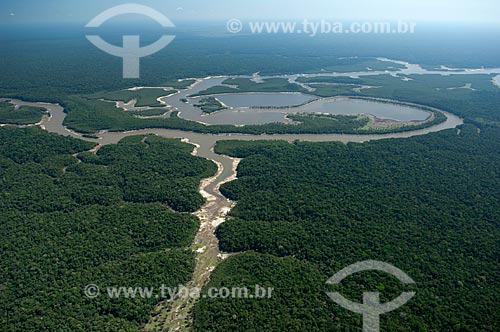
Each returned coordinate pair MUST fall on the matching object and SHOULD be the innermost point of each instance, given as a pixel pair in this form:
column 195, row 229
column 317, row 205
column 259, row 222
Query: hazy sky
column 480, row 11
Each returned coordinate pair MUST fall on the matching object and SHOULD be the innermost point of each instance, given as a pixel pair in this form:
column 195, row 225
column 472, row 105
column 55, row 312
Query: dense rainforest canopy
column 72, row 218
column 120, row 216
column 428, row 205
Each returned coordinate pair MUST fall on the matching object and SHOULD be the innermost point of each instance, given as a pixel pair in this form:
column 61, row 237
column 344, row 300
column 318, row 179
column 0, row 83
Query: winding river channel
column 175, row 315
column 206, row 142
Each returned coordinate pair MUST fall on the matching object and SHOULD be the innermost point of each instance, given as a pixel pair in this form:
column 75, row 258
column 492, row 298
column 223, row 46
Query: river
column 175, row 315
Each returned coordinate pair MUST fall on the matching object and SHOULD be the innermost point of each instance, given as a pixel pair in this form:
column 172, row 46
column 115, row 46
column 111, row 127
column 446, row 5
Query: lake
column 242, row 114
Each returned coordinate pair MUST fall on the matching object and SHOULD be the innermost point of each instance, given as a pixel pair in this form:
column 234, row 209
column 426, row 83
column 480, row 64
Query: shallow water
column 336, row 106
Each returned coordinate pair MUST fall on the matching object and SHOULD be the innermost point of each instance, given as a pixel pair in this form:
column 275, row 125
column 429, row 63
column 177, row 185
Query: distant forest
column 30, row 69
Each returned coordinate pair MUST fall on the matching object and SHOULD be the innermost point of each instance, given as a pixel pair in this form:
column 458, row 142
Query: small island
column 23, row 115
column 210, row 105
